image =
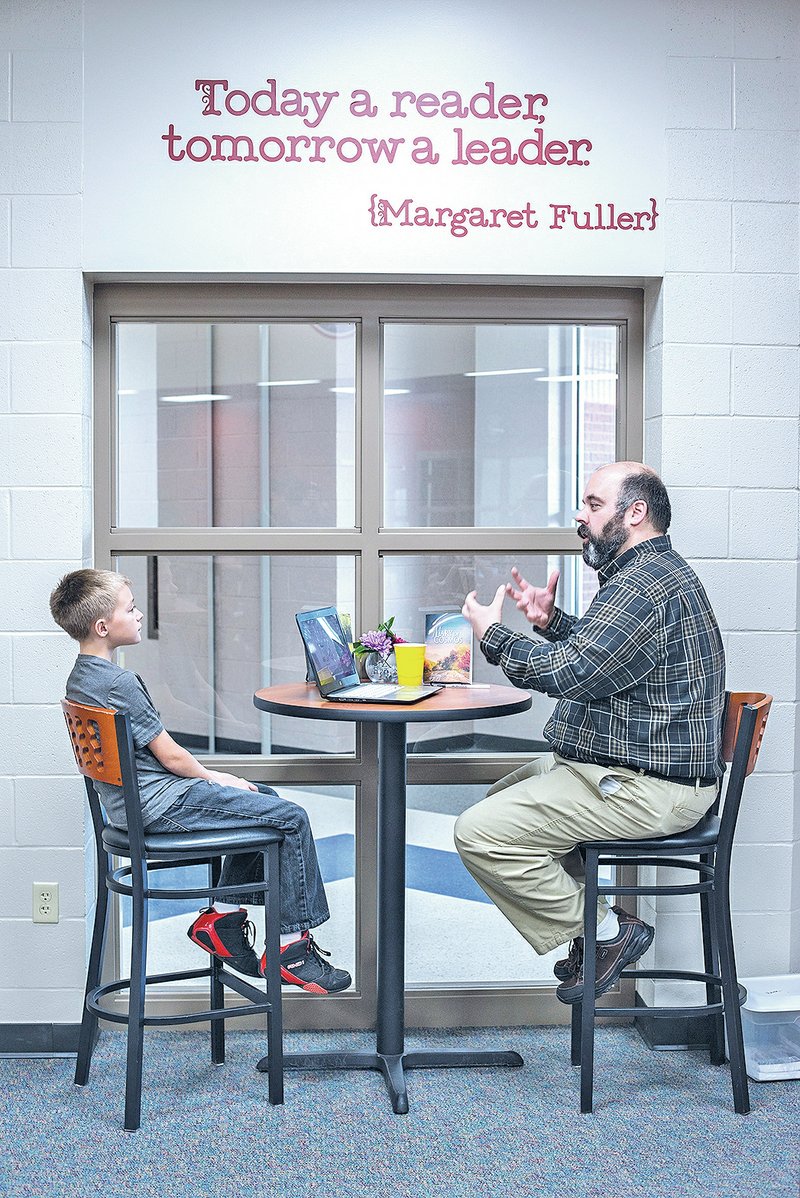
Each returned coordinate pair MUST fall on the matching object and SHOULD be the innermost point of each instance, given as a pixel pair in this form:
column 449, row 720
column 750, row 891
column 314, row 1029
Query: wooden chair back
column 93, row 734
column 733, row 718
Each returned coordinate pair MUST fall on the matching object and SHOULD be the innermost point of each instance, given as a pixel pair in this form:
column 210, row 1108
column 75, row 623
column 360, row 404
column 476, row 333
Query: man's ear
column 637, row 512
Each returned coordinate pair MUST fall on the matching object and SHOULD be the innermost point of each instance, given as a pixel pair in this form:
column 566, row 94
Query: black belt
column 695, row 780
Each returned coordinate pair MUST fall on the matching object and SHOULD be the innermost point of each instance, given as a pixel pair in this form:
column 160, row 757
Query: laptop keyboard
column 377, row 690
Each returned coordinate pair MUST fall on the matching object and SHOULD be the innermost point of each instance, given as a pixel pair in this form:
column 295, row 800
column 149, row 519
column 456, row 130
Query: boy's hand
column 231, row 780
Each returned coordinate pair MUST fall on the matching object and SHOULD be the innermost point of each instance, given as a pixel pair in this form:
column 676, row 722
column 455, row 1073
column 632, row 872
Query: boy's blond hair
column 83, row 597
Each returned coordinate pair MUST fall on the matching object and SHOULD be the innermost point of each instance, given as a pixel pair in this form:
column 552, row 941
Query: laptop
column 334, row 668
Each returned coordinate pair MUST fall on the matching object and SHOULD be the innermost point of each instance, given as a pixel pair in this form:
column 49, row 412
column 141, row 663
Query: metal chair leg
column 217, row 990
column 711, row 965
column 730, row 998
column 589, row 975
column 575, row 1035
column 88, row 1034
column 272, row 975
column 217, row 1025
column 133, row 1073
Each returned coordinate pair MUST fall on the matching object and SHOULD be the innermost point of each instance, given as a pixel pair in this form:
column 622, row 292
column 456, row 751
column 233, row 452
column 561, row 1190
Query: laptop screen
column 329, row 654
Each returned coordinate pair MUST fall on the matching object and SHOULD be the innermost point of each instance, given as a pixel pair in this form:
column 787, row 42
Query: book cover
column 448, row 648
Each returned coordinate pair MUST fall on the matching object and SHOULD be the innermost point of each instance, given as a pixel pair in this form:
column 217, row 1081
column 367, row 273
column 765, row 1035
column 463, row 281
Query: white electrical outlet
column 45, row 902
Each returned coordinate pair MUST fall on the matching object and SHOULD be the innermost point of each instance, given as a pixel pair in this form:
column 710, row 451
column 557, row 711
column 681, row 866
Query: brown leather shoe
column 566, row 967
column 612, row 956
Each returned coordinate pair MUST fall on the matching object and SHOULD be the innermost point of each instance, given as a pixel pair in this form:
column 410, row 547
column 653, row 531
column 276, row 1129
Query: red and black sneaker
column 302, row 965
column 228, row 935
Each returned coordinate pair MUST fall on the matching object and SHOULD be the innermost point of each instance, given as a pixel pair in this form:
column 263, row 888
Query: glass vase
column 379, row 668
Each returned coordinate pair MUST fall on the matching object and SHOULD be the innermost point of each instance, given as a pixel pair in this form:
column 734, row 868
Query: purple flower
column 377, row 642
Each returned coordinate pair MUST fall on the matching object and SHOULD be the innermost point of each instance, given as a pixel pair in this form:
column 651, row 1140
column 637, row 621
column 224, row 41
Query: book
column 448, row 648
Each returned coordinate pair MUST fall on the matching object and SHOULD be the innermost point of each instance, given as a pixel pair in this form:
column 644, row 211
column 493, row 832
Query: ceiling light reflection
column 485, row 374
column 190, row 398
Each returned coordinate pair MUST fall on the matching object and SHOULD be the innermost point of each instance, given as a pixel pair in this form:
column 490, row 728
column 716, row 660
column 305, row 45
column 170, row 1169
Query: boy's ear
column 100, row 627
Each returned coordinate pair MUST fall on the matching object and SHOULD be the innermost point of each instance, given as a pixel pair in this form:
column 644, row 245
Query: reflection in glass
column 235, row 425
column 219, row 627
column 444, row 905
column 492, row 425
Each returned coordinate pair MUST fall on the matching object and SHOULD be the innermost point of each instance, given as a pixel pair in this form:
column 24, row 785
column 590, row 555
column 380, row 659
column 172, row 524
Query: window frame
column 369, row 305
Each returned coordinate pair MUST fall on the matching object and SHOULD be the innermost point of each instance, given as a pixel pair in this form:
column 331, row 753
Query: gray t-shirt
column 101, row 683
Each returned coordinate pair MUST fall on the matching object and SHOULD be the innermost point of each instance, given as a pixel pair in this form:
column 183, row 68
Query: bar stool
column 103, row 747
column 710, row 841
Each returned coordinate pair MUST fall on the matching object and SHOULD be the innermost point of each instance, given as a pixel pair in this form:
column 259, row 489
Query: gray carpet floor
column 663, row 1125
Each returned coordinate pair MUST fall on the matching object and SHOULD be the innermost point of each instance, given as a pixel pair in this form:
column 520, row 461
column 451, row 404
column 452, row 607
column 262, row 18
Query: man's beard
column 599, row 550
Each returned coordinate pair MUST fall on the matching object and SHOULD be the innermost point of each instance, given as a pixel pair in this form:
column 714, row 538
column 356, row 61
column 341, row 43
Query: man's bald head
column 636, row 482
column 640, row 483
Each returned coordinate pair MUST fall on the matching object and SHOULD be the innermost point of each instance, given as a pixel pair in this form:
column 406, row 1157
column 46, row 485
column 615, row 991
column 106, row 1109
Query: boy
column 97, row 609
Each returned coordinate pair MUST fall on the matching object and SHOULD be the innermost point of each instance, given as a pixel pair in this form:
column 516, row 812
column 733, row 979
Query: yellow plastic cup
column 410, row 660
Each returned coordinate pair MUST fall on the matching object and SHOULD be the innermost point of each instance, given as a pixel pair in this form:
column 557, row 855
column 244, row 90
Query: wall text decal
column 313, row 109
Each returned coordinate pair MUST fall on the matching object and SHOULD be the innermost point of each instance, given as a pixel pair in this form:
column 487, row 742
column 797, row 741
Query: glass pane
column 332, row 813
column 414, row 584
column 491, row 425
column 444, row 905
column 219, row 627
column 216, row 422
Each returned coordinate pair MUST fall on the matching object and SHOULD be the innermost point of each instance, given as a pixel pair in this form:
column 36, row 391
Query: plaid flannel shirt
column 640, row 678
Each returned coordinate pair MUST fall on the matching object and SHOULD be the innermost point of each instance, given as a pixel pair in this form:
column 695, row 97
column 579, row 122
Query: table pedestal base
column 392, row 1065
column 294, row 699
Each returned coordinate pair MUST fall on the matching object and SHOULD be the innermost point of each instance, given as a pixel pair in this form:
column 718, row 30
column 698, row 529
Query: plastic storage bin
column 771, row 1027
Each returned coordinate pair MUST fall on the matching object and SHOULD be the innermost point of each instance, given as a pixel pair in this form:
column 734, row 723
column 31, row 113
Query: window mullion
column 370, row 474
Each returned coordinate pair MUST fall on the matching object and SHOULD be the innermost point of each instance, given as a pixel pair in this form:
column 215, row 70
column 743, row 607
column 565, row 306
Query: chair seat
column 167, row 844
column 703, row 835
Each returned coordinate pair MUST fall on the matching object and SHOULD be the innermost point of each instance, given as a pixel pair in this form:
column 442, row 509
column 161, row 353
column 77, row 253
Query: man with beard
column 635, row 734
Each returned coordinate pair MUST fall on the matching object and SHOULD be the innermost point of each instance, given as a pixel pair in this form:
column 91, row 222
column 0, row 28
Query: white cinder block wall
column 722, row 409
column 721, row 424
column 45, row 498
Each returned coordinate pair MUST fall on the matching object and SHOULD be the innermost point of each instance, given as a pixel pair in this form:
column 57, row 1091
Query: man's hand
column 481, row 616
column 231, row 780
column 536, row 603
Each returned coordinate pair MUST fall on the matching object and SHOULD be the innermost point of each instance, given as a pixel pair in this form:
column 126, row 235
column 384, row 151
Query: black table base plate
column 393, row 1065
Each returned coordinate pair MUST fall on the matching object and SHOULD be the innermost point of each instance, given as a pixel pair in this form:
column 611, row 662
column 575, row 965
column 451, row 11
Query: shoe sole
column 637, row 947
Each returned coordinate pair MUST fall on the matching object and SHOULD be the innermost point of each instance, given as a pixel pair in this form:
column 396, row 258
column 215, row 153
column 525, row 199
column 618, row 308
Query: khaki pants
column 517, row 843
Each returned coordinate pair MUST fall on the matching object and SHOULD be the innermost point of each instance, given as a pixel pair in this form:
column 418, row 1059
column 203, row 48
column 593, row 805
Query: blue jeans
column 207, row 806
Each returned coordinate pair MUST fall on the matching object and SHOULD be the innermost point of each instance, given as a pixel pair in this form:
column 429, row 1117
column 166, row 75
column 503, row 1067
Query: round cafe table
column 452, row 703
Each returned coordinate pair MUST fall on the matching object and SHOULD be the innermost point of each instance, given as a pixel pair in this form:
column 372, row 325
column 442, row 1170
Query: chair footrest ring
column 683, row 975
column 659, row 1012
column 675, row 975
column 256, row 999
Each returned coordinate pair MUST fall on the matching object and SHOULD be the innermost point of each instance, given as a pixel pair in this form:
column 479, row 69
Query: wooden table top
column 450, row 703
